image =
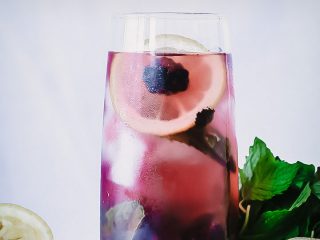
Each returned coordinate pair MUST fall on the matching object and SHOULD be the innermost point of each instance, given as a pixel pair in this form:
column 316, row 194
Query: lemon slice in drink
column 20, row 223
column 166, row 114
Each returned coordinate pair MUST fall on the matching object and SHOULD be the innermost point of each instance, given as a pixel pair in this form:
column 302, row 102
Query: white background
column 52, row 73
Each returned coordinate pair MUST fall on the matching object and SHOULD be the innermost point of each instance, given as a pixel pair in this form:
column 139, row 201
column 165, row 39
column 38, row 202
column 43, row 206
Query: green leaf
column 270, row 219
column 316, row 189
column 302, row 198
column 316, row 184
column 284, row 198
column 264, row 175
column 305, row 174
column 280, row 224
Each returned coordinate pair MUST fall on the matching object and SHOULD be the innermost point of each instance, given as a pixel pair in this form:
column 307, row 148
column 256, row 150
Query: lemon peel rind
column 26, row 217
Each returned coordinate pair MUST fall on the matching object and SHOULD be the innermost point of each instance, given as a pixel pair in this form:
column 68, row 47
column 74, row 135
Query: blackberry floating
column 165, row 76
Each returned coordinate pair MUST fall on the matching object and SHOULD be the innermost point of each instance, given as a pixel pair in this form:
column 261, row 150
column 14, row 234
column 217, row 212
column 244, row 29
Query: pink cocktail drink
column 169, row 159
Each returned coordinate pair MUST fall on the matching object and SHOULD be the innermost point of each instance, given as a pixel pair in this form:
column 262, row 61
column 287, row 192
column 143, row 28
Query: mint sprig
column 279, row 200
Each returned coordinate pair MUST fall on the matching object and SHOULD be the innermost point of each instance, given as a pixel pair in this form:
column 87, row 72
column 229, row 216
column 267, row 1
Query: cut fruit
column 161, row 114
column 173, row 43
column 20, row 223
column 303, row 238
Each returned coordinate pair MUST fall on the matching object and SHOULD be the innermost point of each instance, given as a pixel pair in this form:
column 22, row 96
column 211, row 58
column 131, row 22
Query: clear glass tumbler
column 169, row 154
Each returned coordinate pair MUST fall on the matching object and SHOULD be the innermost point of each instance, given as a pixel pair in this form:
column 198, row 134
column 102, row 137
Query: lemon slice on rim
column 174, row 43
column 20, row 223
column 161, row 114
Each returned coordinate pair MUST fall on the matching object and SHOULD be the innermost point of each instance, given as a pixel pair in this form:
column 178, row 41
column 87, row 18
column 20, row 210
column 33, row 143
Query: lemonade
column 169, row 158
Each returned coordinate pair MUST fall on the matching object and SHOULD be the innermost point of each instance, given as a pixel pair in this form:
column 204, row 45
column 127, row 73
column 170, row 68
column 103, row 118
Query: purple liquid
column 185, row 191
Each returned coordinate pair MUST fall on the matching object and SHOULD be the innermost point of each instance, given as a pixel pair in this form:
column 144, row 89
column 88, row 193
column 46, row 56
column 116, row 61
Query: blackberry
column 204, row 117
column 165, row 76
column 153, row 77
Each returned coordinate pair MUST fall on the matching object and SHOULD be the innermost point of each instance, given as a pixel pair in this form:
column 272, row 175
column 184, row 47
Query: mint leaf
column 282, row 200
column 123, row 218
column 270, row 219
column 264, row 175
column 208, row 141
column 316, row 189
column 316, row 185
column 303, row 197
column 305, row 174
column 281, row 224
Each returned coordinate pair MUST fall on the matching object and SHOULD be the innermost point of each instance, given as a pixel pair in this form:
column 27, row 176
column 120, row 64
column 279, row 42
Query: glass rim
column 171, row 15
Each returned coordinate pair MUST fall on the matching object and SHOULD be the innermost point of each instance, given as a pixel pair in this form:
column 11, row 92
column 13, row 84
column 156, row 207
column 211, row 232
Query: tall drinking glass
column 169, row 154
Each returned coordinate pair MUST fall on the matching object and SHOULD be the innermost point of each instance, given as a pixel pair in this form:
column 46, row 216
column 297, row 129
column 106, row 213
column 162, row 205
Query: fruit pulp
column 154, row 153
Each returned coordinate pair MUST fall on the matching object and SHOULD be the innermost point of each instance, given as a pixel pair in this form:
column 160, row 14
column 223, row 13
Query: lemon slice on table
column 18, row 223
column 166, row 114
column 303, row 238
